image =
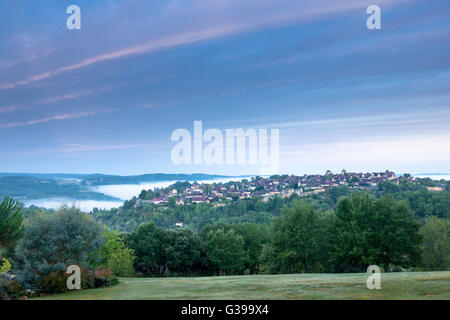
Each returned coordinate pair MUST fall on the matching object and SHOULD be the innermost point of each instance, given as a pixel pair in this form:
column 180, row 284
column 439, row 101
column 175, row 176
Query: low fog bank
column 128, row 191
column 120, row 191
column 83, row 205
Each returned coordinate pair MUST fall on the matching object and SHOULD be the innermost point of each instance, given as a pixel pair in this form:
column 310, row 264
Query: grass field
column 411, row 285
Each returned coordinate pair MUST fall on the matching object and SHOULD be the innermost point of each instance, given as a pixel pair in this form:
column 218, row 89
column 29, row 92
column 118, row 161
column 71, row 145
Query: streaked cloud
column 341, row 95
column 58, row 117
column 74, row 148
column 268, row 14
column 9, row 109
column 67, row 96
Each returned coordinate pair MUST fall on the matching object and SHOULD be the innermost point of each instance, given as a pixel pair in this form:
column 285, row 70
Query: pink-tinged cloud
column 58, row 117
column 264, row 14
column 68, row 96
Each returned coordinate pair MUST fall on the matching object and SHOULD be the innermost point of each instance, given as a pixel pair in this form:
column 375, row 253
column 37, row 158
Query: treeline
column 195, row 216
column 129, row 217
column 422, row 202
column 360, row 232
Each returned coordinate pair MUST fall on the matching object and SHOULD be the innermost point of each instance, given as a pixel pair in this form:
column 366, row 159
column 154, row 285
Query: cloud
column 10, row 108
column 84, row 148
column 59, row 117
column 392, row 119
column 204, row 20
column 67, row 96
column 53, row 99
column 148, row 105
column 70, row 148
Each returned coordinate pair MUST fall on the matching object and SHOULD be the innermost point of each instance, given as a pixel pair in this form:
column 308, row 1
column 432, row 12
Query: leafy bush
column 103, row 277
column 115, row 255
column 54, row 242
column 6, row 266
column 114, row 280
column 55, row 282
column 87, row 279
column 11, row 290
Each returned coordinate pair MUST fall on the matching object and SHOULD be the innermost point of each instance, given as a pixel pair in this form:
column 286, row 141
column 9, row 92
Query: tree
column 380, row 232
column 436, row 244
column 115, row 255
column 149, row 246
column 396, row 234
column 11, row 228
column 225, row 250
column 255, row 236
column 297, row 242
column 185, row 252
column 171, row 202
column 52, row 242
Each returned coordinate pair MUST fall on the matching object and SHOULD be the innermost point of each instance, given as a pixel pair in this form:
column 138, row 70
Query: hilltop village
column 283, row 186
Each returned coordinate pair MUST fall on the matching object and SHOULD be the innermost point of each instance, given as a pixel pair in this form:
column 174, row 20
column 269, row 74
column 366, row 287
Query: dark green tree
column 150, row 248
column 225, row 249
column 255, row 236
column 297, row 243
column 436, row 244
column 11, row 228
column 380, row 232
column 185, row 253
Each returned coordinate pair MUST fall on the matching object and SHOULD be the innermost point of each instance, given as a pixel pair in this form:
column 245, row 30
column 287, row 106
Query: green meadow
column 403, row 285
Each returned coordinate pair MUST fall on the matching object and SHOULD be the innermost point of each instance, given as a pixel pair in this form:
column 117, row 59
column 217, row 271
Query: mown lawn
column 405, row 285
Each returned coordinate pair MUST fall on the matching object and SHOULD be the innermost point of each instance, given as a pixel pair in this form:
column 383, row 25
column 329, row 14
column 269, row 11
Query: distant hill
column 29, row 187
column 77, row 186
column 102, row 179
column 99, row 179
column 43, row 175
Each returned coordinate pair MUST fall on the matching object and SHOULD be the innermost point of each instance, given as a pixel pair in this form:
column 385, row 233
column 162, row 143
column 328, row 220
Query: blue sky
column 106, row 98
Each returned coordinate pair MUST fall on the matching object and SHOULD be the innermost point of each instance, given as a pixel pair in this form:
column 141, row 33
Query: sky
column 106, row 98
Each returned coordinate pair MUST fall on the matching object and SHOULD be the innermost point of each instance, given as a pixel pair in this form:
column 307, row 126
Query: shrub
column 6, row 266
column 103, row 277
column 3, row 295
column 87, row 279
column 54, row 242
column 55, row 282
column 11, row 290
column 114, row 280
